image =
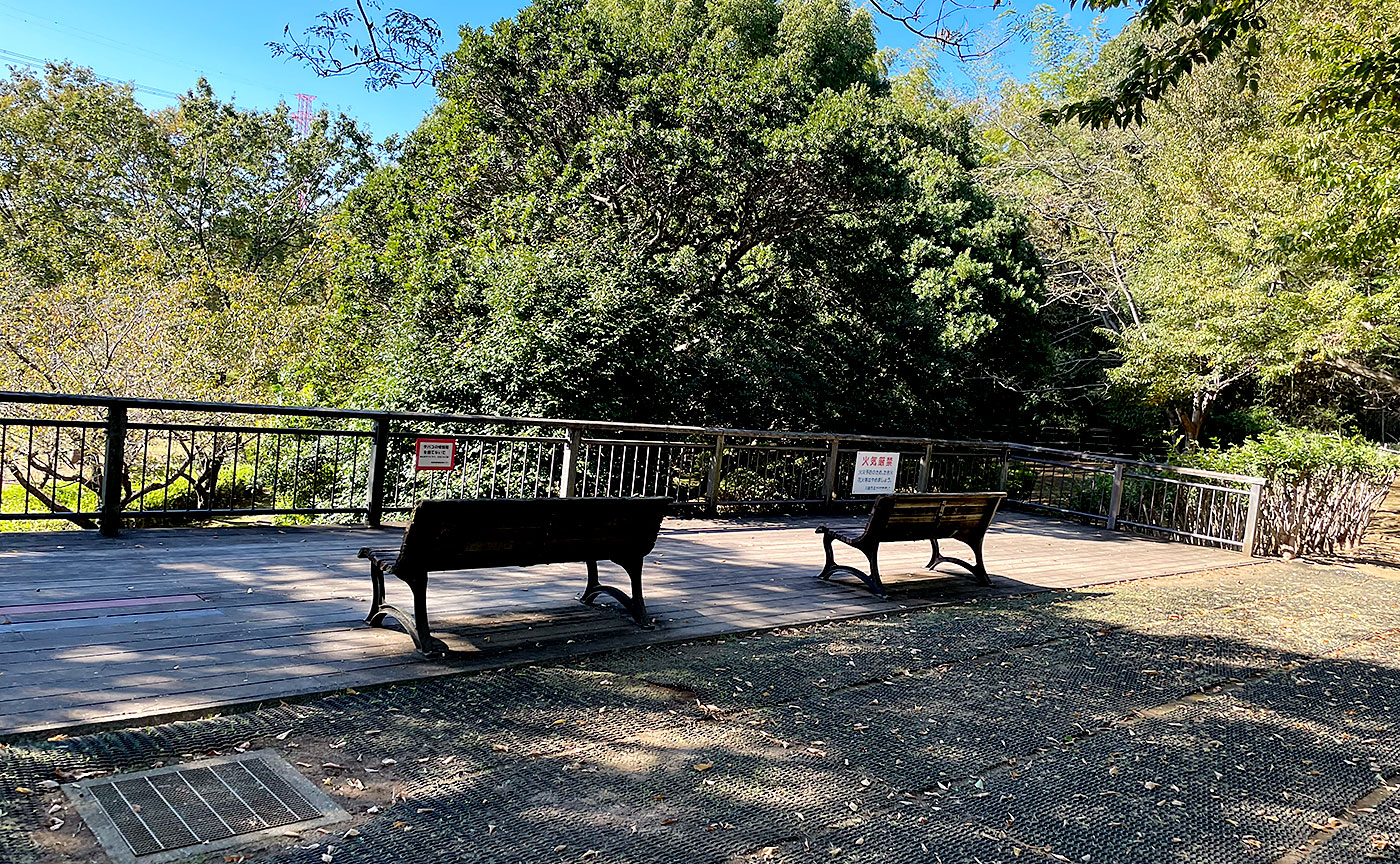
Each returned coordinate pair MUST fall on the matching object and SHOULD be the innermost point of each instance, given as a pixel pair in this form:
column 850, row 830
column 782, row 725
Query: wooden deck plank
column 300, row 631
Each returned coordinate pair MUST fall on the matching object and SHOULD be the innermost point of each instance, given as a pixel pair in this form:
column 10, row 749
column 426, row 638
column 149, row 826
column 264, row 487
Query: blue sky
column 166, row 46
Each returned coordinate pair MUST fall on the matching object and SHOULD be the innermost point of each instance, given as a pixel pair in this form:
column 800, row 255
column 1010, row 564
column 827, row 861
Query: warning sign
column 435, row 454
column 875, row 473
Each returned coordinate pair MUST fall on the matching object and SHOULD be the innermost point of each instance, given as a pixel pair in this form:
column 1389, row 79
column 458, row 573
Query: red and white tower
column 301, row 117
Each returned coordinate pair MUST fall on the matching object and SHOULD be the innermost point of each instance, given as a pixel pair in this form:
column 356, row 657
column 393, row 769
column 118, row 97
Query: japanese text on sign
column 435, row 454
column 875, row 473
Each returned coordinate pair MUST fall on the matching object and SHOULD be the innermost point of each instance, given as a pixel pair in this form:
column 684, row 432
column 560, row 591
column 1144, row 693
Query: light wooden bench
column 477, row 533
column 962, row 516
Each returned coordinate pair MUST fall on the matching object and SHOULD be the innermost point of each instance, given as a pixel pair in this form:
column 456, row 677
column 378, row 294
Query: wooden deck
column 183, row 622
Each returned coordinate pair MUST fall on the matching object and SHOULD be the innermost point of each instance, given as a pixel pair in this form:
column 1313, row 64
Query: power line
column 126, row 47
column 19, row 59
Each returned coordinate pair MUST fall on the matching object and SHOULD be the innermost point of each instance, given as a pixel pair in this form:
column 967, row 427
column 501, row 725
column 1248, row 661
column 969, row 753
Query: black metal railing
column 103, row 461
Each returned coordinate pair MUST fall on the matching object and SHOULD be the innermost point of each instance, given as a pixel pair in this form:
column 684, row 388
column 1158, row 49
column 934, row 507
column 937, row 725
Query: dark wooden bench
column 936, row 516
column 478, row 533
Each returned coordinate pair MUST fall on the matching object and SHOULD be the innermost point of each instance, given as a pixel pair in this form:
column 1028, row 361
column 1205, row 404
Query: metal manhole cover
column 159, row 815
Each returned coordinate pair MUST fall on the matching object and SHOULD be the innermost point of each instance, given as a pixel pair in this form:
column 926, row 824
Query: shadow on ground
column 1224, row 716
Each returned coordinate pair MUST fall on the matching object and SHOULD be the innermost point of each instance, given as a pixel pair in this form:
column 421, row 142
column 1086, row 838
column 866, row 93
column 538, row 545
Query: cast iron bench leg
column 978, row 570
column 634, row 604
column 871, row 579
column 376, row 600
column 830, row 557
column 417, row 623
column 981, row 569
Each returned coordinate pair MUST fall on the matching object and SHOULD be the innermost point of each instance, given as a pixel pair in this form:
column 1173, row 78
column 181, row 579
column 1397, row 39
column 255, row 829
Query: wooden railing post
column 1251, row 519
column 712, row 500
column 1115, row 497
column 833, row 456
column 925, row 466
column 1005, row 468
column 573, row 451
column 113, row 470
column 378, row 464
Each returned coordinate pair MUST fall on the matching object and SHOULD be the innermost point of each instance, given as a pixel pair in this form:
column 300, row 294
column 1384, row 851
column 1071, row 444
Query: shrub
column 1320, row 492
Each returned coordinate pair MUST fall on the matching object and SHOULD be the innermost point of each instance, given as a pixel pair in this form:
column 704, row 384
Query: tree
column 170, row 254
column 116, row 224
column 1245, row 231
column 723, row 213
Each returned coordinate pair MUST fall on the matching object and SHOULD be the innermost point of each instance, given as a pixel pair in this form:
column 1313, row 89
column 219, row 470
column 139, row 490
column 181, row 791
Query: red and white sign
column 875, row 473
column 434, row 454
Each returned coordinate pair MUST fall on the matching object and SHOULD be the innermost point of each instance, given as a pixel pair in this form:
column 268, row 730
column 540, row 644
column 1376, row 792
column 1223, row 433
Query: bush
column 1289, row 454
column 1320, row 489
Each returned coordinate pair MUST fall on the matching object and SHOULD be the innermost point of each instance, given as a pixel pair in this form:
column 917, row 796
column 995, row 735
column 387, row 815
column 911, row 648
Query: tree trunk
column 1194, row 417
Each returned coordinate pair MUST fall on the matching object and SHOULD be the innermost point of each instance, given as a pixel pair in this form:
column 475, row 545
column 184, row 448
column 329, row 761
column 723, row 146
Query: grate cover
column 152, row 816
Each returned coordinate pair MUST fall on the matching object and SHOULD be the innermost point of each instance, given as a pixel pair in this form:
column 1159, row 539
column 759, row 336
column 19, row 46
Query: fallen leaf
column 704, row 766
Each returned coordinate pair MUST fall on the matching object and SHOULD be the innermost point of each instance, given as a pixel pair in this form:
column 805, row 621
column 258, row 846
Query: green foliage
column 1288, row 454
column 668, row 211
column 1184, row 35
column 1233, row 243
column 177, row 253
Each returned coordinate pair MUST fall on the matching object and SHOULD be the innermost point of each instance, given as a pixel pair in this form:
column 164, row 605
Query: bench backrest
column 933, row 516
column 514, row 532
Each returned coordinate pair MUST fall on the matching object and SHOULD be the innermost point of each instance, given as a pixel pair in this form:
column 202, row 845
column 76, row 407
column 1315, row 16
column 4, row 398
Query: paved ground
column 157, row 623
column 1249, row 714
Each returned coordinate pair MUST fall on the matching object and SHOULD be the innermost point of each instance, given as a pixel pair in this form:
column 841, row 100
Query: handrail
column 432, row 417
column 358, row 470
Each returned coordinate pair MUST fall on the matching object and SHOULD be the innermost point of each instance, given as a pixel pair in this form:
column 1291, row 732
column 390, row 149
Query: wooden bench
column 937, row 516
column 478, row 533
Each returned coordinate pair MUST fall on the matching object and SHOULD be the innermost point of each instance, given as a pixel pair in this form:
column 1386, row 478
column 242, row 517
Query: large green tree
column 722, row 212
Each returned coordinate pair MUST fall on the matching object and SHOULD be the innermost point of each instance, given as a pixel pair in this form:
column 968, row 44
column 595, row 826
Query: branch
column 54, row 506
column 402, row 48
column 1386, row 379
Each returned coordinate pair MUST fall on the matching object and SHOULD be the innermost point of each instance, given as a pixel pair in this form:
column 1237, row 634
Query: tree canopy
column 723, row 213
column 175, row 253
column 1236, row 244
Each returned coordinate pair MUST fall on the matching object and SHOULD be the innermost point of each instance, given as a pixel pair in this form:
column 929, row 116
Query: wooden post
column 712, row 500
column 925, row 466
column 573, row 452
column 1115, row 498
column 829, row 481
column 378, row 462
column 1251, row 519
column 1005, row 468
column 113, row 470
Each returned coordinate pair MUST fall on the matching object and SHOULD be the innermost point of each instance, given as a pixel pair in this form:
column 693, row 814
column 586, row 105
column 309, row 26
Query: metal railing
column 103, row 461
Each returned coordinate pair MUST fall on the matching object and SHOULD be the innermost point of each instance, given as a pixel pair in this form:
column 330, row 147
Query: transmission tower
column 302, row 116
